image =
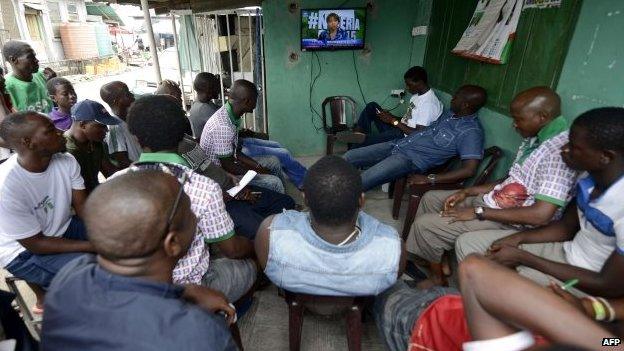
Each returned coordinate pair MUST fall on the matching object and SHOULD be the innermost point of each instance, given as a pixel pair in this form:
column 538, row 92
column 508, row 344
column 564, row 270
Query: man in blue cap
column 85, row 140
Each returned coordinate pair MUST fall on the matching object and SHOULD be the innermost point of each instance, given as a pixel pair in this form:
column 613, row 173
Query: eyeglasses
column 183, row 179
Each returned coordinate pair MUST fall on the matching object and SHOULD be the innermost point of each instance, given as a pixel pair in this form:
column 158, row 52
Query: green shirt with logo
column 29, row 96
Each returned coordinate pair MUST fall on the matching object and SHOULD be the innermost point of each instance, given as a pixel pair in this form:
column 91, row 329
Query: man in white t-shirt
column 424, row 108
column 587, row 243
column 38, row 187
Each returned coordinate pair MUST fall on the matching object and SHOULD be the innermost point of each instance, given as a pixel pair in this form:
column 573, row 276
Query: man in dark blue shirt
column 123, row 299
column 456, row 132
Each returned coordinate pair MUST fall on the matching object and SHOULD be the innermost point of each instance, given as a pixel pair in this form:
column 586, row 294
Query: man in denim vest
column 335, row 249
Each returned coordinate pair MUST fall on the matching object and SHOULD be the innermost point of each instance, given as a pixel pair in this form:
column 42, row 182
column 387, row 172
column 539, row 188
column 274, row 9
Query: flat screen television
column 333, row 29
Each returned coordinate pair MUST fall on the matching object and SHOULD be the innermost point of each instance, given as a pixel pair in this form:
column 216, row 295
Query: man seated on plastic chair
column 335, row 249
column 456, row 133
column 252, row 145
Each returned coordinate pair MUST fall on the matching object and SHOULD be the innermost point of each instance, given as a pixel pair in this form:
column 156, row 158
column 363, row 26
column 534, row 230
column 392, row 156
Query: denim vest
column 300, row 261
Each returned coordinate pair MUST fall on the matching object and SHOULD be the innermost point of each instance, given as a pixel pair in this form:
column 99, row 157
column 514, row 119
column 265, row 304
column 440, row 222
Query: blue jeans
column 295, row 171
column 273, row 181
column 383, row 166
column 41, row 269
column 248, row 216
column 368, row 118
column 398, row 308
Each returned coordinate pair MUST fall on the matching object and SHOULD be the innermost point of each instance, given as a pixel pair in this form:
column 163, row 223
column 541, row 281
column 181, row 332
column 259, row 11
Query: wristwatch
column 431, row 178
column 395, row 123
column 479, row 212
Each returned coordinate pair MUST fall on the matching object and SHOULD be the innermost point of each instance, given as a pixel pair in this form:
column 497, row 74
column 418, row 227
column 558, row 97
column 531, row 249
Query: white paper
column 242, row 183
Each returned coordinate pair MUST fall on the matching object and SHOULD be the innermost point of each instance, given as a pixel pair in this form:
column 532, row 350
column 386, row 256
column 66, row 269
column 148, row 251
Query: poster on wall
column 491, row 31
column 541, row 4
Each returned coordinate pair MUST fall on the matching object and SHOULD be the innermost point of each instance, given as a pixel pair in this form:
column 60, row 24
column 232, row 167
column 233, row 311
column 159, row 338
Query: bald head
column 126, row 216
column 468, row 99
column 19, row 125
column 539, row 100
column 109, row 92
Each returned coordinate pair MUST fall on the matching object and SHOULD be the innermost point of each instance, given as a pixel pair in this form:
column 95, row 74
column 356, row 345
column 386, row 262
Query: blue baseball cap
column 89, row 110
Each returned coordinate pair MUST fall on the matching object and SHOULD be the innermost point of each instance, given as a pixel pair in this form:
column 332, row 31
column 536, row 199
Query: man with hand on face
column 122, row 145
column 39, row 186
column 124, row 298
column 535, row 192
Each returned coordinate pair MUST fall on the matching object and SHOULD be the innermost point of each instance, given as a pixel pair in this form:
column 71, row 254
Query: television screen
column 333, row 29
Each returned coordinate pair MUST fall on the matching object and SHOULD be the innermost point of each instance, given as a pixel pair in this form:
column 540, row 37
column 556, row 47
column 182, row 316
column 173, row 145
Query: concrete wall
column 389, row 37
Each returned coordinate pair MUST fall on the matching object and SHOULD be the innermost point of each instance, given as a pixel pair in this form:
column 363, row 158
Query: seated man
column 250, row 206
column 456, row 132
column 424, row 109
column 207, row 87
column 484, row 317
column 27, row 84
column 335, row 249
column 537, row 188
column 157, row 122
column 591, row 231
column 85, row 140
column 124, row 298
column 39, row 185
column 219, row 139
column 64, row 96
column 122, row 146
column 252, row 146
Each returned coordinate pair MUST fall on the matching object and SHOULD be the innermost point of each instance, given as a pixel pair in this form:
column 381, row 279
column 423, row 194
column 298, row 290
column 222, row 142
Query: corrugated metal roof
column 104, row 10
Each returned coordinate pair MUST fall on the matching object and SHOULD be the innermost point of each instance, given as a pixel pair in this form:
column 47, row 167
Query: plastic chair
column 342, row 113
column 350, row 307
column 416, row 191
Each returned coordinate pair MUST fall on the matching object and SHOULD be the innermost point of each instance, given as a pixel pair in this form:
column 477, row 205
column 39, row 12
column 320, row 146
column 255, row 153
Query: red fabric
column 442, row 327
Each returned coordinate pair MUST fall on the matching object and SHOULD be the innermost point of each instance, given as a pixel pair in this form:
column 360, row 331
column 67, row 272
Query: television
column 333, row 29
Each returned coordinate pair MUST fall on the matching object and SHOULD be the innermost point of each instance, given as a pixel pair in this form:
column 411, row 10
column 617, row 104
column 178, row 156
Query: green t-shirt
column 89, row 158
column 29, row 96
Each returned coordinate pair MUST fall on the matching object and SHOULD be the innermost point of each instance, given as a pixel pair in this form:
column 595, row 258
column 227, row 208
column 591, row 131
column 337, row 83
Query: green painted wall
column 592, row 76
column 389, row 37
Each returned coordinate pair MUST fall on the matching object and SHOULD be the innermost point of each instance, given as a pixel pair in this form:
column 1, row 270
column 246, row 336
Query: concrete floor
column 265, row 326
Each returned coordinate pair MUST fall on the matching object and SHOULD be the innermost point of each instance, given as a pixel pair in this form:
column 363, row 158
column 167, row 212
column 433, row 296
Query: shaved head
column 243, row 89
column 126, row 216
column 468, row 99
column 538, row 100
column 533, row 109
column 19, row 125
column 109, row 92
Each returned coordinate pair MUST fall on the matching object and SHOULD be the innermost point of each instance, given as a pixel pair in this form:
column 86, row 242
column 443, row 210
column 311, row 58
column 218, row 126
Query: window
column 72, row 11
column 54, row 10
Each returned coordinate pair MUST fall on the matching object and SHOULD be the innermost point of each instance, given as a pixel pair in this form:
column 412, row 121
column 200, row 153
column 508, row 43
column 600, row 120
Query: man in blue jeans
column 424, row 108
column 456, row 132
column 38, row 187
